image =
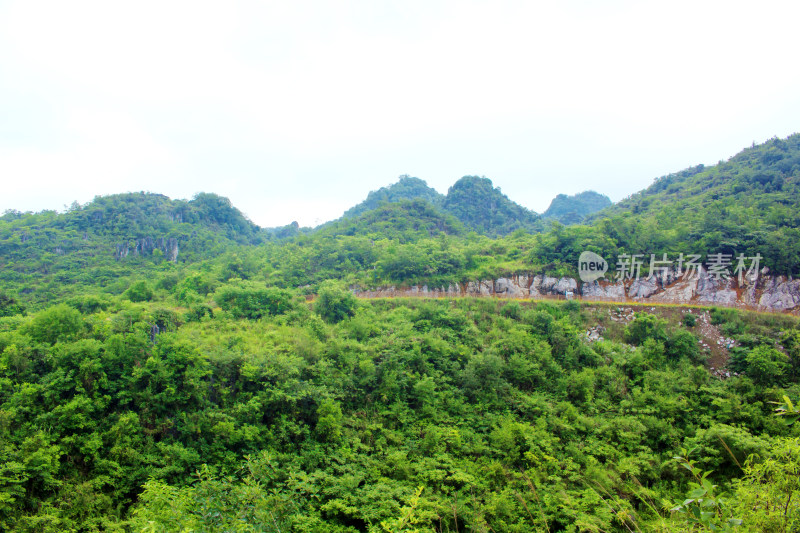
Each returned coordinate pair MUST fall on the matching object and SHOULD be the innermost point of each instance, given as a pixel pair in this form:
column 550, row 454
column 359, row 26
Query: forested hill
column 49, row 255
column 574, row 209
column 139, row 215
column 480, row 206
column 403, row 221
column 753, row 178
column 406, row 188
column 749, row 204
column 473, row 200
column 161, row 369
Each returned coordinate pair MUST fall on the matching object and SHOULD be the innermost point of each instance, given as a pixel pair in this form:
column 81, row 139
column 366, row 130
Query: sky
column 296, row 110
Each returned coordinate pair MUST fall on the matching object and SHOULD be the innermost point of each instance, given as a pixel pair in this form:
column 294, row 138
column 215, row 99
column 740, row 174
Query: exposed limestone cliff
column 145, row 246
column 766, row 292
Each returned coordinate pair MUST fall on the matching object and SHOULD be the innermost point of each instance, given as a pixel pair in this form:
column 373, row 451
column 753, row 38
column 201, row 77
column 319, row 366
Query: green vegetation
column 472, row 200
column 749, row 204
column 168, row 366
column 475, row 202
column 574, row 209
column 406, row 188
column 118, row 240
column 340, row 415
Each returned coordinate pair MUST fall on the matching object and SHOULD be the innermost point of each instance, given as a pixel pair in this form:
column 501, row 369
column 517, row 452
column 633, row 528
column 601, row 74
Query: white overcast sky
column 296, row 110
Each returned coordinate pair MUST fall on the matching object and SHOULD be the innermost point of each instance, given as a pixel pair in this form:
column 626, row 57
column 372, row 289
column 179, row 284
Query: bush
column 572, row 306
column 512, row 310
column 193, row 285
column 254, row 303
column 166, row 319
column 197, row 312
column 58, row 323
column 89, row 303
column 168, row 282
column 682, row 344
column 541, row 322
column 334, row 303
column 764, row 494
column 139, row 291
column 646, row 326
column 766, row 365
column 9, row 306
column 721, row 316
column 689, row 320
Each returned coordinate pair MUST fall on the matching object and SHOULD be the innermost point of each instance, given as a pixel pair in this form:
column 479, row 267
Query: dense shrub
column 139, row 291
column 253, row 303
column 58, row 323
column 334, row 303
column 646, row 326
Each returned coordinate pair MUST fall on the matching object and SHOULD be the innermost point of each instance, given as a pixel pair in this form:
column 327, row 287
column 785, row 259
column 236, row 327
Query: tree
column 139, row 291
column 682, row 344
column 646, row 326
column 9, row 305
column 58, row 323
column 768, row 495
column 766, row 365
column 254, row 302
column 329, row 420
column 334, row 303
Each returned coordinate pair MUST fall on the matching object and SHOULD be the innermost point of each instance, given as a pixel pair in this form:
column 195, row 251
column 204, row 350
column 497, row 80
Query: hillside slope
column 402, row 220
column 574, row 209
column 749, row 204
column 406, row 188
column 482, row 207
column 101, row 243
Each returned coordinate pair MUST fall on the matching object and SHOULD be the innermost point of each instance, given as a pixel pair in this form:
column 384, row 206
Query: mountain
column 748, row 204
column 480, row 206
column 406, row 188
column 245, row 383
column 48, row 255
column 141, row 214
column 403, row 220
column 472, row 200
column 573, row 209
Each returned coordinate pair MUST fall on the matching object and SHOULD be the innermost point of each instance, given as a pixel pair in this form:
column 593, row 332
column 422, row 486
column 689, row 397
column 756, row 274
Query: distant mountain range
column 747, row 204
column 471, row 204
column 483, row 208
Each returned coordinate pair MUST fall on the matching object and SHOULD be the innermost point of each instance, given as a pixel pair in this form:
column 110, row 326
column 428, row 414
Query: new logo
column 591, row 267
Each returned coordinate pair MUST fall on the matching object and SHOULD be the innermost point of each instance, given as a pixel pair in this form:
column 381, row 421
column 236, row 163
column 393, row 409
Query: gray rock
column 508, row 287
column 565, row 285
column 603, row 291
column 145, row 246
column 547, row 284
column 715, row 290
column 550, row 285
column 643, row 288
column 780, row 294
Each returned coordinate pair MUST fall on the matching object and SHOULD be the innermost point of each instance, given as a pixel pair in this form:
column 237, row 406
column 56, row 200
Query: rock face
column 643, row 288
column 780, row 294
column 715, row 291
column 511, row 288
column 603, row 291
column 145, row 246
column 765, row 293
